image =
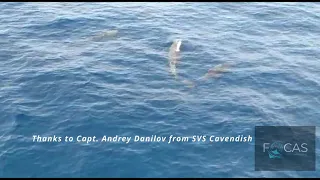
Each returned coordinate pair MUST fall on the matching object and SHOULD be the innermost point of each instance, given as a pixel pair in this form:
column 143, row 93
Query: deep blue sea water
column 54, row 81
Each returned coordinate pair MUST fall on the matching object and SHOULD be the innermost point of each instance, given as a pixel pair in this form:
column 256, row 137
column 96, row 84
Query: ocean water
column 56, row 80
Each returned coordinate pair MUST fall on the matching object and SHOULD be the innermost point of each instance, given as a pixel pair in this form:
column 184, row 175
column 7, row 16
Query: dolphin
column 216, row 71
column 189, row 83
column 105, row 34
column 174, row 52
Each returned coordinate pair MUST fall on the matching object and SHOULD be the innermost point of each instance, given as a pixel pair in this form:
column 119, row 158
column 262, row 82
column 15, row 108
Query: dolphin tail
column 203, row 78
column 190, row 84
column 216, row 75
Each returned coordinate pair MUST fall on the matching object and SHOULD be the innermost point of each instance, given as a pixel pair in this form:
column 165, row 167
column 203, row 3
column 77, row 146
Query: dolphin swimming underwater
column 216, row 71
column 189, row 83
column 105, row 34
column 174, row 55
